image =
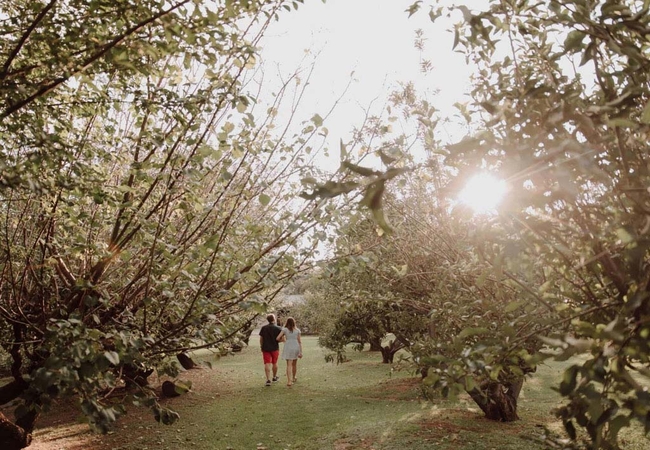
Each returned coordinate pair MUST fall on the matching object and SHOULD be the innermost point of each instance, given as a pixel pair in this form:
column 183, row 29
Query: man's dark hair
column 270, row 318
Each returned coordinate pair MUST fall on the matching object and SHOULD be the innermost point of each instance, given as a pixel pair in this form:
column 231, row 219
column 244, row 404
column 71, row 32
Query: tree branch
column 24, row 37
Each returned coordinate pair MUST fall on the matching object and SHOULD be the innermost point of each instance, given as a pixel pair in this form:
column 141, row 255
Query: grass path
column 359, row 405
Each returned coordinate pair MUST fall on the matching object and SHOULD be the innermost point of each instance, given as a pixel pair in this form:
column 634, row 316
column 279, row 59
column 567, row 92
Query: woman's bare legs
column 294, row 363
column 290, row 365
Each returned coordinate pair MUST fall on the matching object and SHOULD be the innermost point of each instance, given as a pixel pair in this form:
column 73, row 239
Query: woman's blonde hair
column 291, row 323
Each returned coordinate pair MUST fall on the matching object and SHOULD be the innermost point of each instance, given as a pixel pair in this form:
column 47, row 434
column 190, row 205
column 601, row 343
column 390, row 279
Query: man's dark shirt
column 269, row 335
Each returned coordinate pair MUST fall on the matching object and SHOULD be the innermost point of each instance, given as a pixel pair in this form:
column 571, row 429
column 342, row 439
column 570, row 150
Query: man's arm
column 261, row 340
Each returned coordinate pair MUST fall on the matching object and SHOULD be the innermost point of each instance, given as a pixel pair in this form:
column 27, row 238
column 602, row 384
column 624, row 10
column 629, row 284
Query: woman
column 292, row 348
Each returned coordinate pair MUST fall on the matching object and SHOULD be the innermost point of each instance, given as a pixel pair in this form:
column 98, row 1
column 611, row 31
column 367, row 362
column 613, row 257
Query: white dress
column 291, row 346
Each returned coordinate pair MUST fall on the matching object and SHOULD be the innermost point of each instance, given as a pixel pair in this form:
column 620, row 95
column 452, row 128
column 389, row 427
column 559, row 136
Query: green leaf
column 182, row 387
column 264, row 199
column 510, row 307
column 317, row 119
column 573, row 41
column 434, row 14
column 415, row 7
column 472, row 331
column 569, row 380
column 624, row 235
column 387, row 160
column 365, row 171
column 467, row 15
column 616, row 424
column 112, row 357
column 470, row 383
column 309, row 181
column 431, row 379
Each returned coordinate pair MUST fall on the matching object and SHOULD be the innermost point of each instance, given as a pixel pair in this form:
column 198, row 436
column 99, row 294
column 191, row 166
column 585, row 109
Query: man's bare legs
column 275, row 372
column 267, row 370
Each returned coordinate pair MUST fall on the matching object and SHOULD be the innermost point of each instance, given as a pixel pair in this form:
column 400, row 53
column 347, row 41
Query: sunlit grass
column 358, row 405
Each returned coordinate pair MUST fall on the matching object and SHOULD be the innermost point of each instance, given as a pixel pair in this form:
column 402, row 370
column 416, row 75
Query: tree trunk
column 169, row 389
column 247, row 335
column 375, row 345
column 497, row 400
column 13, row 437
column 134, row 376
column 388, row 352
column 186, row 361
column 12, row 391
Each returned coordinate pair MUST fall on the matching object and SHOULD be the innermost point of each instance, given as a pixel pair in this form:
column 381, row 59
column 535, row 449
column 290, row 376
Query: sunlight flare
column 483, row 193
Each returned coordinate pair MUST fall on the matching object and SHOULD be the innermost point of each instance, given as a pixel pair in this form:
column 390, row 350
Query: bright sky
column 373, row 38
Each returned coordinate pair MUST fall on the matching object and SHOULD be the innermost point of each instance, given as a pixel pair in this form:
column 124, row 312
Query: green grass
column 353, row 406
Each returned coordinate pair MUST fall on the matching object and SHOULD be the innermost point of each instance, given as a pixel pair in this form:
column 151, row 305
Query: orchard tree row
column 150, row 206
column 560, row 109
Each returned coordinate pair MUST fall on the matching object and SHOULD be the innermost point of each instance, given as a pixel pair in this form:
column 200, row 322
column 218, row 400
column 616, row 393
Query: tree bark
column 388, row 352
column 247, row 335
column 12, row 391
column 498, row 400
column 375, row 345
column 134, row 376
column 186, row 361
column 13, row 437
column 169, row 389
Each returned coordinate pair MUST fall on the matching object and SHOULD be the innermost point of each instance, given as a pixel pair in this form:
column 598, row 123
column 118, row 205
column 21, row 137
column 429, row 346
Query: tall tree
column 560, row 109
column 147, row 207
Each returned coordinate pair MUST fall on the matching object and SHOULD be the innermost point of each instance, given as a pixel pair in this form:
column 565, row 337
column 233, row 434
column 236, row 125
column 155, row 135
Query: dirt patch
column 403, row 384
column 363, row 444
column 398, row 389
column 456, row 421
column 64, row 427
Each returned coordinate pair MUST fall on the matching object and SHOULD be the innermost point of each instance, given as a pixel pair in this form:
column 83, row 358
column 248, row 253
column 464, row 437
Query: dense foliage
column 147, row 208
column 464, row 327
column 560, row 110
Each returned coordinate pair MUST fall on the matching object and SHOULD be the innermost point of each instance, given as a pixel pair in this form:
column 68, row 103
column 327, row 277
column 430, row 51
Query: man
column 270, row 348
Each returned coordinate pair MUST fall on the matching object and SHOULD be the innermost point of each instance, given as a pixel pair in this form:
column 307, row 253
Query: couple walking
column 270, row 337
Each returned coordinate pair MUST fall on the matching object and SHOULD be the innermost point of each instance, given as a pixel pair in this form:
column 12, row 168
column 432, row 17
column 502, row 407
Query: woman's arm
column 300, row 344
column 280, row 336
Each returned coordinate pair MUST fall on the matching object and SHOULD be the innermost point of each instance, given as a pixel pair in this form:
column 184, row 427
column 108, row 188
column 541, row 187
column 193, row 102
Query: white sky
column 373, row 38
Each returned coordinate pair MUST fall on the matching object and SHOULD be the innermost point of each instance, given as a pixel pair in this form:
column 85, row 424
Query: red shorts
column 271, row 357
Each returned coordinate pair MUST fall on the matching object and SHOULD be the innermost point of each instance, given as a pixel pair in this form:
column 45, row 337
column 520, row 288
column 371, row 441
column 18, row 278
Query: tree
column 138, row 220
column 560, row 110
column 350, row 303
column 423, row 283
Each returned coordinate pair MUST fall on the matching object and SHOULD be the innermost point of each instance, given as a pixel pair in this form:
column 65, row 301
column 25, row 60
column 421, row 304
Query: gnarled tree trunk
column 13, row 437
column 498, row 400
column 388, row 352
